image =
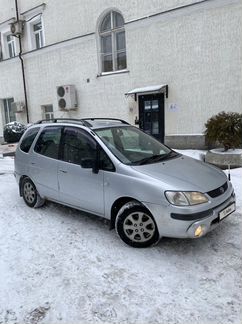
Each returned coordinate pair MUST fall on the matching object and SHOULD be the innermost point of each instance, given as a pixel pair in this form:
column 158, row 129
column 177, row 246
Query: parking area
column 59, row 265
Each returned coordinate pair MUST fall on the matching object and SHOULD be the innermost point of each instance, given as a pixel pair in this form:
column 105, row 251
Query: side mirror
column 88, row 163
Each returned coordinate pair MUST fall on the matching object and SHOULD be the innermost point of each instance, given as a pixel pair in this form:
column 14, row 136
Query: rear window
column 28, row 139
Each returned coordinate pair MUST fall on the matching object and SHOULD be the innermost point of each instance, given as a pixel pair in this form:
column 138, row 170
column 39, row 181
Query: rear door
column 79, row 186
column 44, row 162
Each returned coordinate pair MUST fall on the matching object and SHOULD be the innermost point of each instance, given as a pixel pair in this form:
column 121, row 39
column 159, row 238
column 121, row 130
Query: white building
column 177, row 61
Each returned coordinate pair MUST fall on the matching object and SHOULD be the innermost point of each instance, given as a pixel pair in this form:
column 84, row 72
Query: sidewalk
column 7, row 149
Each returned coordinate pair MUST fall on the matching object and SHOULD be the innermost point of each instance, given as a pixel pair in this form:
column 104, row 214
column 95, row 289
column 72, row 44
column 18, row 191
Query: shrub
column 224, row 128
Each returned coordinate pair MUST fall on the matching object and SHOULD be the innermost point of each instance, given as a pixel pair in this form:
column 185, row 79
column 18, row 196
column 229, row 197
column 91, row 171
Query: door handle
column 63, row 171
column 32, row 163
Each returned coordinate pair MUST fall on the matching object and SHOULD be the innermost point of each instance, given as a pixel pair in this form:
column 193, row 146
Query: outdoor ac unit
column 66, row 97
column 17, row 28
column 18, row 106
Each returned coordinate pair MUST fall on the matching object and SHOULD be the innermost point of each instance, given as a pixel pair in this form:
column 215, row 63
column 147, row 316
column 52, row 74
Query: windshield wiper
column 169, row 155
column 149, row 159
column 157, row 158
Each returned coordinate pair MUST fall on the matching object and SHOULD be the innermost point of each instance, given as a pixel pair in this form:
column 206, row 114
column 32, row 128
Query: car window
column 107, row 136
column 48, row 142
column 132, row 146
column 77, row 145
column 28, row 139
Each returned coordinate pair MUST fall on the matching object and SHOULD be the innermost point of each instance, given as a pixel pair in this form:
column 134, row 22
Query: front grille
column 218, row 191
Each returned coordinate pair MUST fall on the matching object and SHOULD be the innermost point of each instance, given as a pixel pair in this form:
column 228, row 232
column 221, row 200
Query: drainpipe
column 22, row 65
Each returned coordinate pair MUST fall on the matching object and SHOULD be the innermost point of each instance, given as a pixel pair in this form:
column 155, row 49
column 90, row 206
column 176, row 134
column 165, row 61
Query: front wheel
column 30, row 194
column 136, row 226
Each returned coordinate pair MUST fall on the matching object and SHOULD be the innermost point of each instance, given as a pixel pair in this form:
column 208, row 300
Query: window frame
column 6, row 110
column 11, row 45
column 48, row 115
column 4, row 43
column 113, row 32
column 38, row 35
column 32, row 34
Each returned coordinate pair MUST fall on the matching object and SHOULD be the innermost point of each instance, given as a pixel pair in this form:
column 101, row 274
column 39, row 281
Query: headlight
column 185, row 198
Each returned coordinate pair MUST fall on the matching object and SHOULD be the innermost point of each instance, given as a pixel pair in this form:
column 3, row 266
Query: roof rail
column 55, row 120
column 84, row 122
column 100, row 118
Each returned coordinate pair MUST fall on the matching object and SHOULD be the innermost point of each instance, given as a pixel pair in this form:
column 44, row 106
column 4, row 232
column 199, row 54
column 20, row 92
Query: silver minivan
column 112, row 169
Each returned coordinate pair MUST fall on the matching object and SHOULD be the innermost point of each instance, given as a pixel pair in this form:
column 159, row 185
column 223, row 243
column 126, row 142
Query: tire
column 136, row 226
column 30, row 194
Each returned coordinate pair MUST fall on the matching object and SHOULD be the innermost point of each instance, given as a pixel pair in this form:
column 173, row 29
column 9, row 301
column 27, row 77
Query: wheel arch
column 20, row 184
column 118, row 204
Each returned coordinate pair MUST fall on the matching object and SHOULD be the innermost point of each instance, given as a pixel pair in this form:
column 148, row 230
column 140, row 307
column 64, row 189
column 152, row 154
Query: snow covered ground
column 58, row 265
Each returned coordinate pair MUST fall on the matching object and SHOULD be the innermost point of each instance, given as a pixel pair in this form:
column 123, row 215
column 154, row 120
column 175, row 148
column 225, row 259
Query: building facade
column 166, row 66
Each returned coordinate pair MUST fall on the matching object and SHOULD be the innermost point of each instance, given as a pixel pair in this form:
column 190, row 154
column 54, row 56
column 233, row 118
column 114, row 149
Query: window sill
column 112, row 73
column 8, row 58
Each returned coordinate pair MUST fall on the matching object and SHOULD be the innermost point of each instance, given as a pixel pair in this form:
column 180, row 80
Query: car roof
column 92, row 123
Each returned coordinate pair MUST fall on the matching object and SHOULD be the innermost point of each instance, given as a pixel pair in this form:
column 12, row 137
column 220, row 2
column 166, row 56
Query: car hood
column 184, row 173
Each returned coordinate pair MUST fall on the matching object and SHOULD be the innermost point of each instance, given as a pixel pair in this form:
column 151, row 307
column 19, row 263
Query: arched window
column 112, row 42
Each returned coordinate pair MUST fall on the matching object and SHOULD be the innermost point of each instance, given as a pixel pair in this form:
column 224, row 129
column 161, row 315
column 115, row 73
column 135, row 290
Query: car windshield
column 134, row 147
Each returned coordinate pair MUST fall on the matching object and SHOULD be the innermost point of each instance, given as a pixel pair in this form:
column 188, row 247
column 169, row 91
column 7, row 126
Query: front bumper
column 171, row 223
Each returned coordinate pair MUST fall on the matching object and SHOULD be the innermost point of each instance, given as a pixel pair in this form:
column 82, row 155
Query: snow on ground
column 59, row 265
column 195, row 154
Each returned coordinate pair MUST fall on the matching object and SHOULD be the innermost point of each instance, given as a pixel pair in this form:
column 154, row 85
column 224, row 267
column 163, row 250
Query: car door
column 43, row 164
column 78, row 185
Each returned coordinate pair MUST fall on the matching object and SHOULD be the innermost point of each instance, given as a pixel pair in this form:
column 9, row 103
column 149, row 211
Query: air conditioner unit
column 17, row 27
column 66, row 97
column 18, row 106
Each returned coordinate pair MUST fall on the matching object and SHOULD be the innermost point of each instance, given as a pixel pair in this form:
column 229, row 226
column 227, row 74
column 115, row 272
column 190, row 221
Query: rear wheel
column 30, row 194
column 136, row 226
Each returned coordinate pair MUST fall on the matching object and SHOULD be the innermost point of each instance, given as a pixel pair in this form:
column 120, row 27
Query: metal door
column 151, row 115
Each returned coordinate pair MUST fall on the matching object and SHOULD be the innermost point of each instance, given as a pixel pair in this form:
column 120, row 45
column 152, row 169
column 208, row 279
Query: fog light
column 199, row 231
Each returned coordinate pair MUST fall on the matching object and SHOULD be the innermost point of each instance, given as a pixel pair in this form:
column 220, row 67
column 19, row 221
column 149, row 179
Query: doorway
column 151, row 115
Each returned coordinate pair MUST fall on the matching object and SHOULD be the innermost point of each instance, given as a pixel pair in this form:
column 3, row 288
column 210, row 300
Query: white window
column 38, row 35
column 8, row 44
column 8, row 110
column 35, row 32
column 10, row 40
column 34, row 27
column 47, row 112
column 112, row 43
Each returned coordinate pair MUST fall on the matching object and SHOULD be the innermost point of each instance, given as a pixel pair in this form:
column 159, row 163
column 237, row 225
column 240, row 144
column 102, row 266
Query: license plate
column 226, row 211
